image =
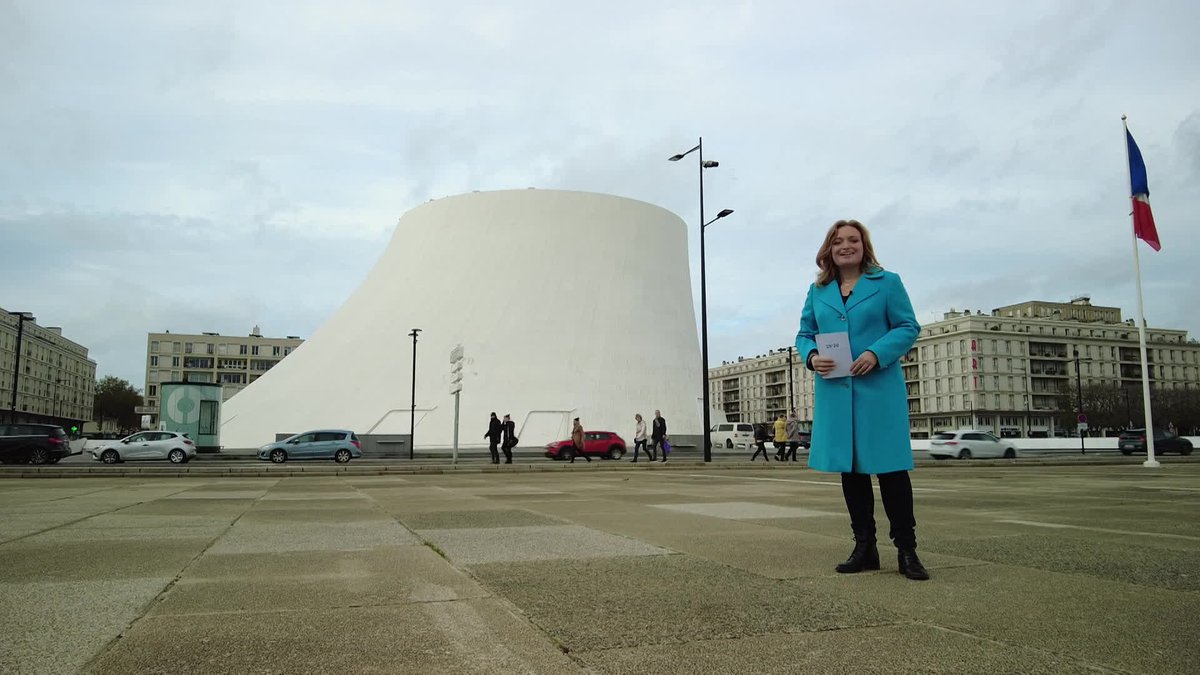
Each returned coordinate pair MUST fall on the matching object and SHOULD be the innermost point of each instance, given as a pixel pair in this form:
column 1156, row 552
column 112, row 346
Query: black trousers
column 791, row 451
column 895, row 489
column 492, row 449
column 642, row 445
column 762, row 447
column 507, row 448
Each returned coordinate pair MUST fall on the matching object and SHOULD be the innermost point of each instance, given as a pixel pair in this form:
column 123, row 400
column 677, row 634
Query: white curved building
column 566, row 304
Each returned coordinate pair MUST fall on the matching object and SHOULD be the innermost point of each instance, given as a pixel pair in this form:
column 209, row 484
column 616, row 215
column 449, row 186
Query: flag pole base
column 1151, row 464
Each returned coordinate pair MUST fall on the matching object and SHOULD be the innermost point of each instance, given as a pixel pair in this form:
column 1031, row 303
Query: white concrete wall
column 568, row 303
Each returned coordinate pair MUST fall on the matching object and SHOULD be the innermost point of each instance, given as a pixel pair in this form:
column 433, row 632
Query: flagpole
column 1150, row 462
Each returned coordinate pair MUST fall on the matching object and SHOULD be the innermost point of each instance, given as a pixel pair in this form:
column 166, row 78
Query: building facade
column 760, row 389
column 55, row 381
column 232, row 362
column 1019, row 370
column 1012, row 371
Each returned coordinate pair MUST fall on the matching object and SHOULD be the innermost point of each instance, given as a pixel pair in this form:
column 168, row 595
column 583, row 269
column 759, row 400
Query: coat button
column 842, row 317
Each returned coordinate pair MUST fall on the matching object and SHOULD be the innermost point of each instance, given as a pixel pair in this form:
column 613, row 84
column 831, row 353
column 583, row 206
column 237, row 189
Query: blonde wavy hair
column 829, row 270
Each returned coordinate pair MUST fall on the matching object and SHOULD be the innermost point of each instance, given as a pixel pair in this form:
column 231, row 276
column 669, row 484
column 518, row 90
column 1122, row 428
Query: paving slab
column 55, row 627
column 316, row 580
column 747, row 510
column 467, row 636
column 471, row 546
column 279, row 537
column 1124, row 626
column 606, row 603
column 439, row 520
column 54, row 559
column 904, row 648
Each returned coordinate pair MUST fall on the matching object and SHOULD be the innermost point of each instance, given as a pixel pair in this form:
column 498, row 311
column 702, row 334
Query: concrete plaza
column 598, row 568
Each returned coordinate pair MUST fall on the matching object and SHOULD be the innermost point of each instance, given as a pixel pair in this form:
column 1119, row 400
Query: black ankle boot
column 865, row 556
column 910, row 565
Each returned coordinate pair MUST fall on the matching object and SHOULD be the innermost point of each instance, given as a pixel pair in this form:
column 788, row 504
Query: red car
column 604, row 444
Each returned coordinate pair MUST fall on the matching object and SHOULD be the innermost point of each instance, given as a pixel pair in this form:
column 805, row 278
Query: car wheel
column 278, row 456
column 729, row 443
column 341, row 456
column 964, row 454
column 1010, row 453
column 176, row 456
column 615, row 452
column 110, row 457
column 39, row 456
column 567, row 454
column 1186, row 449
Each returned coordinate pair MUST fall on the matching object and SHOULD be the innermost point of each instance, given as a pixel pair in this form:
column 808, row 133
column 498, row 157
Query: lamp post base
column 1151, row 464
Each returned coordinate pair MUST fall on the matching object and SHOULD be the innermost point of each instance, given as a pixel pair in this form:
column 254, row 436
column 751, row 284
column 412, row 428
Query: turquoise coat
column 860, row 424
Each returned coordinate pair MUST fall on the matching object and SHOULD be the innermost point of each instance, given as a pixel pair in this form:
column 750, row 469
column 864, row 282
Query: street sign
column 1082, row 418
column 1082, row 426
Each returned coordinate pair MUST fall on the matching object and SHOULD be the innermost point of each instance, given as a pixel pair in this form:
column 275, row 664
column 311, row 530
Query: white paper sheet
column 837, row 347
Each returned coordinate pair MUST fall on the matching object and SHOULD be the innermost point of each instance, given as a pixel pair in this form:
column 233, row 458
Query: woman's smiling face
column 847, row 248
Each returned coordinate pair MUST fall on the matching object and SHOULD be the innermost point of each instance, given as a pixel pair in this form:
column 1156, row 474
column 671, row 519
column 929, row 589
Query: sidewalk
column 1041, row 568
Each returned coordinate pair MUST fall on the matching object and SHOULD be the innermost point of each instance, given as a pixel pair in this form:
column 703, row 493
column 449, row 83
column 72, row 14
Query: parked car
column 172, row 446
column 1134, row 440
column 340, row 445
column 731, row 435
column 33, row 443
column 604, row 444
column 968, row 443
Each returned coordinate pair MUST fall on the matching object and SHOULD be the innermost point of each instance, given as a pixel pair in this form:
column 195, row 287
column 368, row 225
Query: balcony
column 729, row 385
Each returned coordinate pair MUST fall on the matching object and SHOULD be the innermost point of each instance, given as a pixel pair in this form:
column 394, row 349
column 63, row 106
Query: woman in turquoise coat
column 860, row 422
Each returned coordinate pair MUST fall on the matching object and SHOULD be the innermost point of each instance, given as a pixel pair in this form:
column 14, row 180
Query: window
column 254, row 350
column 208, row 417
column 152, row 390
column 275, row 351
column 154, row 346
column 288, row 350
column 176, row 347
column 241, row 349
column 153, row 360
column 187, row 348
column 174, row 361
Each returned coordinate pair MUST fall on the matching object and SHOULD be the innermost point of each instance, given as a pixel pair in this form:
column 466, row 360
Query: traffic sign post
column 1081, row 427
column 456, row 377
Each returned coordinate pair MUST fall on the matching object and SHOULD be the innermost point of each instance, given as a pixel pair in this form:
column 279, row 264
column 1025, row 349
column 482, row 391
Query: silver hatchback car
column 175, row 447
column 339, row 445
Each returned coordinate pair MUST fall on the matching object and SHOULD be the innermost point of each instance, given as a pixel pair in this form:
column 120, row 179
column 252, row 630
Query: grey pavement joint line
column 1062, row 526
column 167, row 589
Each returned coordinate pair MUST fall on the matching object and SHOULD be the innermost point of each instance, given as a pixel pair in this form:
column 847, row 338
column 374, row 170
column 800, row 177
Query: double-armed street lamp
column 699, row 149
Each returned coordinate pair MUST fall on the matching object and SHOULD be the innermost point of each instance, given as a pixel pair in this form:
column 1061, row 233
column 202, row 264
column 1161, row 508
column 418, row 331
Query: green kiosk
column 192, row 408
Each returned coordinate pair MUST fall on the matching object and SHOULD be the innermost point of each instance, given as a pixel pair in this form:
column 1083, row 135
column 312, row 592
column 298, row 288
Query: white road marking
column 1062, row 526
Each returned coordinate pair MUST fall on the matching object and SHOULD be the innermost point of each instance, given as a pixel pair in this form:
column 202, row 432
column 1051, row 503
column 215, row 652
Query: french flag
column 1143, row 219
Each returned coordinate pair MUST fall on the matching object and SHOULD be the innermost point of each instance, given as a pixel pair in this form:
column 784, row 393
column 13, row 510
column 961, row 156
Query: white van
column 732, row 435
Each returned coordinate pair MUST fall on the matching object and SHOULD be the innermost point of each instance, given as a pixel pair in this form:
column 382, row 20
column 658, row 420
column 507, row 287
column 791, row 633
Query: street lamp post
column 412, row 420
column 707, row 419
column 22, row 317
column 1079, row 398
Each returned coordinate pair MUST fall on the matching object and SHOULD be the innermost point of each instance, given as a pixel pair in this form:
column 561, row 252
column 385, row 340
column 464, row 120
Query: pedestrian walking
column 493, row 435
column 860, row 422
column 658, row 435
column 780, row 438
column 510, row 438
column 760, row 442
column 577, row 441
column 793, row 436
column 639, row 438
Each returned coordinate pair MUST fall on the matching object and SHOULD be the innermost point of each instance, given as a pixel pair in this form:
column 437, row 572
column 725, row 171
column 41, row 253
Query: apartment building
column 54, row 379
column 1011, row 371
column 761, row 388
column 231, row 361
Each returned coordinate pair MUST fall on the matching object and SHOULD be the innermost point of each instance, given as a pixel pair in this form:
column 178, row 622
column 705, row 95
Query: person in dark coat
column 760, row 441
column 495, row 429
column 860, row 422
column 658, row 433
column 510, row 438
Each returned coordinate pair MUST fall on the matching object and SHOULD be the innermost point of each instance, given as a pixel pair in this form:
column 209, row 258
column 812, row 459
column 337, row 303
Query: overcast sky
column 209, row 166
